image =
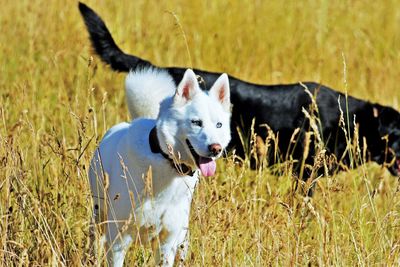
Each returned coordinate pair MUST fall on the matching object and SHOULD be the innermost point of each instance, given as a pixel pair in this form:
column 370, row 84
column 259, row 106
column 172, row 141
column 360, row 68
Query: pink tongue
column 207, row 166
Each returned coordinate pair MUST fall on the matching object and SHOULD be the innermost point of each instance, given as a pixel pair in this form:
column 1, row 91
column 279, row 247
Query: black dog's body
column 278, row 106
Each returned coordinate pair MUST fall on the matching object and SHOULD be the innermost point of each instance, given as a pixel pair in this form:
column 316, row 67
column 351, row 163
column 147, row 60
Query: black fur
column 280, row 107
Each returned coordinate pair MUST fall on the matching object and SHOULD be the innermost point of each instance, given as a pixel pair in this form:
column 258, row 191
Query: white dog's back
column 145, row 89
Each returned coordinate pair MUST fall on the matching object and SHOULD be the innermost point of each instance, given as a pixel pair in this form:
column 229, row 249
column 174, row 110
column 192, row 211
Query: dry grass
column 56, row 101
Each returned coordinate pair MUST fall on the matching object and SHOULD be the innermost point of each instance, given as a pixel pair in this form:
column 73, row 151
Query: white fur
column 145, row 89
column 156, row 208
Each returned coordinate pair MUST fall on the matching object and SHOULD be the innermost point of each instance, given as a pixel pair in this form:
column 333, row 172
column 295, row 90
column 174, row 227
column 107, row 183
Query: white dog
column 144, row 173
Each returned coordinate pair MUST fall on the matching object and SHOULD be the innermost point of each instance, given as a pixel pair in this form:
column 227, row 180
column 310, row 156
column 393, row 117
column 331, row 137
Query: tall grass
column 57, row 100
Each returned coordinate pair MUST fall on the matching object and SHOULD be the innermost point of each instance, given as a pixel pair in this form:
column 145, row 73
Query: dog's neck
column 181, row 168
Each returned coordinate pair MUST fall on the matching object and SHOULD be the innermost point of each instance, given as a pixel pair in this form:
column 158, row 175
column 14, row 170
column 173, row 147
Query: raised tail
column 104, row 44
column 145, row 89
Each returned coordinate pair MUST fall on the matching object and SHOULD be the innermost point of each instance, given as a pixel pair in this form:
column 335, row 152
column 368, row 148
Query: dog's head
column 389, row 127
column 195, row 124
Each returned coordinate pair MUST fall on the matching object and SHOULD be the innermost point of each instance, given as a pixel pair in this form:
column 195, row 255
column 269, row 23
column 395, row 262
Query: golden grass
column 56, row 101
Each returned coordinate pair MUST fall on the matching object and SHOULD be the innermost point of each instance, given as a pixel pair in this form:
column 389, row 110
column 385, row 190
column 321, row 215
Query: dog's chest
column 168, row 209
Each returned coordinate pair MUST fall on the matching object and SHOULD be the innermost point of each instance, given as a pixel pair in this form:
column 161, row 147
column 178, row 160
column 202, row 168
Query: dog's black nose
column 215, row 149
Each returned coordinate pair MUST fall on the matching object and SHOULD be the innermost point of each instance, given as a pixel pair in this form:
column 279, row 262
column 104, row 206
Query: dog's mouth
column 206, row 165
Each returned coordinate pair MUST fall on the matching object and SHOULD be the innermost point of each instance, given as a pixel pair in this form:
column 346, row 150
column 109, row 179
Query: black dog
column 281, row 108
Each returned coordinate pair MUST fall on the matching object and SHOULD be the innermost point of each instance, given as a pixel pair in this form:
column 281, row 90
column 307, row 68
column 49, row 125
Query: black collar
column 181, row 168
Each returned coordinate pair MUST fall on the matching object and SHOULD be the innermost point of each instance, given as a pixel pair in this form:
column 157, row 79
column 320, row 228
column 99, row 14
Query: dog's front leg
column 170, row 242
column 116, row 253
column 183, row 248
column 165, row 251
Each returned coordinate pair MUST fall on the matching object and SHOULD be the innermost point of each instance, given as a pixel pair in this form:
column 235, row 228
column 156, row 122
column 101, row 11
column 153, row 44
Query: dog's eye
column 198, row 123
column 219, row 125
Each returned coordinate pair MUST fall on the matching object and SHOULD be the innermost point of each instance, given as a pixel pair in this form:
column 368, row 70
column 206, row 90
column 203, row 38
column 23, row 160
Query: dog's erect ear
column 187, row 88
column 221, row 91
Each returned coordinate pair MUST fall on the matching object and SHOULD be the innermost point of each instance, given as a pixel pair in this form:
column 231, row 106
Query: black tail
column 104, row 44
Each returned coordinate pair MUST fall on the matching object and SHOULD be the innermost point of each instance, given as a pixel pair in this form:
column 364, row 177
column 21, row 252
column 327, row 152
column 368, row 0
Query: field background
column 57, row 99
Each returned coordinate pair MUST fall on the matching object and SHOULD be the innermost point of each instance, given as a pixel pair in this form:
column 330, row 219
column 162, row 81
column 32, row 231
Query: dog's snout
column 215, row 149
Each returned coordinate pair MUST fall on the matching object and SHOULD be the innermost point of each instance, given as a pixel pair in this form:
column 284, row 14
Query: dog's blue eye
column 198, row 123
column 219, row 125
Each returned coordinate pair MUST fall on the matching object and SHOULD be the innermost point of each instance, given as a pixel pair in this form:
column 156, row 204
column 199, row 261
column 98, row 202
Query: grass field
column 57, row 100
